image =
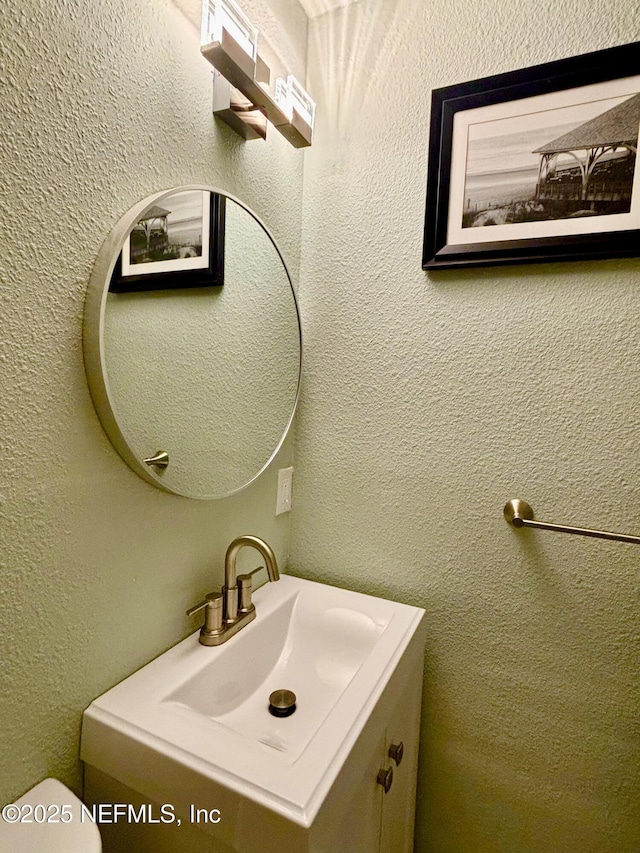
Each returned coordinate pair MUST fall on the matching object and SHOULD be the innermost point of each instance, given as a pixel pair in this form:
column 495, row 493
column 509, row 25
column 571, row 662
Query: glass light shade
column 290, row 94
column 226, row 14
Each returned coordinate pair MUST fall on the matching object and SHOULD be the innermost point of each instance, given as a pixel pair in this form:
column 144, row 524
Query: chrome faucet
column 227, row 612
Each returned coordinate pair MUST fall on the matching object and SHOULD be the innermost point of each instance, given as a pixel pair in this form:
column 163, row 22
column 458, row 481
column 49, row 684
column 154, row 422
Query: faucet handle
column 245, row 587
column 254, row 572
column 212, row 613
column 197, row 607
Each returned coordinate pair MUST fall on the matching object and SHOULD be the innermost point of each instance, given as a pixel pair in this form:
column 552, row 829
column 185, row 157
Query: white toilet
column 40, row 835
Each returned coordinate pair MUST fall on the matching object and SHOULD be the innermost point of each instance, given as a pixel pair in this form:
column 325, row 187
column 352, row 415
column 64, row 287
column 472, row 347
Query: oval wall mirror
column 192, row 342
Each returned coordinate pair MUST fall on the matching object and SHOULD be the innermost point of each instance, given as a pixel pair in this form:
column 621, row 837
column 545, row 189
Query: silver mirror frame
column 94, row 349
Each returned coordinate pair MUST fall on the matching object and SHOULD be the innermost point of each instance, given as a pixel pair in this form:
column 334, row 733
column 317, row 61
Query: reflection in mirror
column 207, row 374
column 177, row 244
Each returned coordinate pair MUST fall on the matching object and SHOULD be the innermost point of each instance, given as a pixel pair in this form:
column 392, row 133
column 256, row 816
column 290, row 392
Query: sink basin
column 204, row 710
column 306, row 644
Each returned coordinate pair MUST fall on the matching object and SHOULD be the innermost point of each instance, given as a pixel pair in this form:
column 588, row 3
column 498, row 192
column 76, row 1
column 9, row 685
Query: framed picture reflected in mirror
column 176, row 243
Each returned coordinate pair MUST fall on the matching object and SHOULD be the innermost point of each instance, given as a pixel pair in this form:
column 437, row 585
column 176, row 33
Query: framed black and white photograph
column 536, row 165
column 176, row 243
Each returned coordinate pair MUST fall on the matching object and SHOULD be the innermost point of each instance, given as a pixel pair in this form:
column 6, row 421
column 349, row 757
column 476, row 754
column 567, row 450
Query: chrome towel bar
column 520, row 514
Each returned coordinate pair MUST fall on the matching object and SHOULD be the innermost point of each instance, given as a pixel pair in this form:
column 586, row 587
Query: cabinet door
column 398, row 805
column 349, row 820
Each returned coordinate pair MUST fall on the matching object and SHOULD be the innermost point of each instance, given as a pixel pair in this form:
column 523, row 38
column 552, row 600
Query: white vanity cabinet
column 163, row 758
column 357, row 816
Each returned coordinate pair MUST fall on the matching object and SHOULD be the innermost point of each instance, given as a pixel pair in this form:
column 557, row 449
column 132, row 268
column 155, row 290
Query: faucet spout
column 230, row 582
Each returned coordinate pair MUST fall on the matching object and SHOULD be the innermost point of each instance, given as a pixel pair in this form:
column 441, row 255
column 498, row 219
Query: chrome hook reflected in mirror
column 160, row 460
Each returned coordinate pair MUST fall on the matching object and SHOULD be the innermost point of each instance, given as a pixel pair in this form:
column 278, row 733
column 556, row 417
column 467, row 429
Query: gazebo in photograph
column 596, row 171
column 152, row 230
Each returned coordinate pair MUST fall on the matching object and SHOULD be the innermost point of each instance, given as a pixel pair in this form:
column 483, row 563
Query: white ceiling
column 313, row 8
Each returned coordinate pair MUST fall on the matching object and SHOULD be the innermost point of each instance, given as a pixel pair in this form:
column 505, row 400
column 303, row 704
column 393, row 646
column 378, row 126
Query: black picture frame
column 448, row 246
column 210, row 276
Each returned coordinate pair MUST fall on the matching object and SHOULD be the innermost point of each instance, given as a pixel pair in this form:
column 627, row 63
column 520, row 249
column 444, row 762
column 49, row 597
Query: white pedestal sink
column 192, row 730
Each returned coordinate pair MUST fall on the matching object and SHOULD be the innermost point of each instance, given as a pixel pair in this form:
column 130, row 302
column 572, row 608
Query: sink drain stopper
column 282, row 703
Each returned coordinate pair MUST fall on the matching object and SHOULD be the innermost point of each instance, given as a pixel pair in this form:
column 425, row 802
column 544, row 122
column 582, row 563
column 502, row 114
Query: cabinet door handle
column 396, row 751
column 385, row 778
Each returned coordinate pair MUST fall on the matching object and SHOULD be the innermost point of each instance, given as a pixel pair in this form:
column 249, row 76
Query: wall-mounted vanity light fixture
column 241, row 94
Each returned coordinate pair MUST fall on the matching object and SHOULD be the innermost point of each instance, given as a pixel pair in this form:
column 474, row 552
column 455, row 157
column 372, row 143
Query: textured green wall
column 429, row 400
column 102, row 103
column 415, row 425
